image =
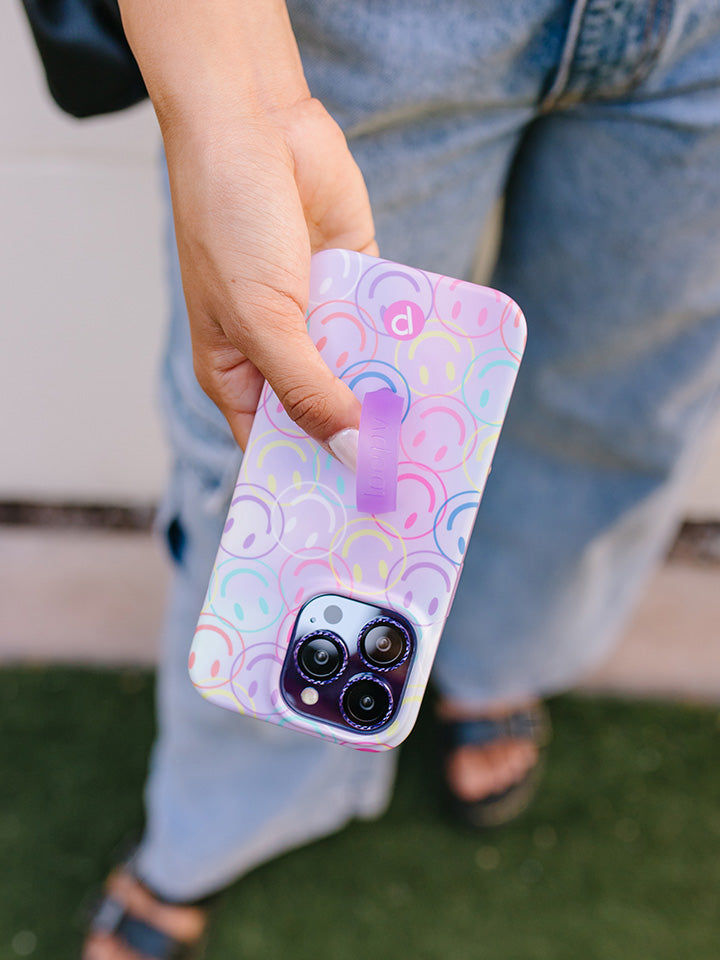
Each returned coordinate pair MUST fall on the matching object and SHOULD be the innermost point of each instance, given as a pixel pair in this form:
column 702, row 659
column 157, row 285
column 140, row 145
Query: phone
column 323, row 616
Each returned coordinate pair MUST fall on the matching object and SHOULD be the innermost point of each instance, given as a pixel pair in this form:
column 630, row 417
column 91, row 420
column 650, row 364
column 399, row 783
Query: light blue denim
column 600, row 123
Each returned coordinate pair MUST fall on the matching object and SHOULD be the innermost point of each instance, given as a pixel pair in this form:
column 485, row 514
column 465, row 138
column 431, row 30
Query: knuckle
column 315, row 110
column 202, row 375
column 210, row 380
column 311, row 410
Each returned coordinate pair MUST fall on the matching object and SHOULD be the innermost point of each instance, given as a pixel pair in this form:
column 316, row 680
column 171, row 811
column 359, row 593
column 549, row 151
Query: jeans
column 599, row 123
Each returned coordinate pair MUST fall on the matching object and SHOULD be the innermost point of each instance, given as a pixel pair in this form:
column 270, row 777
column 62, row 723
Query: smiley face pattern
column 451, row 351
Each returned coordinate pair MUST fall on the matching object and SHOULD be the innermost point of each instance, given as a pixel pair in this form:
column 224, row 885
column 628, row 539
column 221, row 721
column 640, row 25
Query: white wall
column 703, row 500
column 82, row 297
column 82, row 293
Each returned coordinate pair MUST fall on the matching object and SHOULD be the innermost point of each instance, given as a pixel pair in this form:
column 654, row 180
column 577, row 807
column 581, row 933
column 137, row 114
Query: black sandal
column 113, row 918
column 533, row 725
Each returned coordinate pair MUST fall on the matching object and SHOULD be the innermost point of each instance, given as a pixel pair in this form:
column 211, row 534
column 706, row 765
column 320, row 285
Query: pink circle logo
column 404, row 319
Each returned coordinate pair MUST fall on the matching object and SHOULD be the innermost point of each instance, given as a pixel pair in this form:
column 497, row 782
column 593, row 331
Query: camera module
column 320, row 656
column 366, row 702
column 383, row 644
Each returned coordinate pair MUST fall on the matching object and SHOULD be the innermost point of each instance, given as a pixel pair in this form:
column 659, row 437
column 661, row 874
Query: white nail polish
column 344, row 446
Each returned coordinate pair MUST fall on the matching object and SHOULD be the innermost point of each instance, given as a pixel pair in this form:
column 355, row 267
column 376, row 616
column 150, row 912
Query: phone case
column 450, row 350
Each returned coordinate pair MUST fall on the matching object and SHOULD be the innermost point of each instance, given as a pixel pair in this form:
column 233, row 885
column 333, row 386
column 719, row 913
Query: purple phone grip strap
column 378, row 449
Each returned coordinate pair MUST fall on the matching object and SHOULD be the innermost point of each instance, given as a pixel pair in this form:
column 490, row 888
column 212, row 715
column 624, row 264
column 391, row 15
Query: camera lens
column 320, row 656
column 384, row 644
column 366, row 702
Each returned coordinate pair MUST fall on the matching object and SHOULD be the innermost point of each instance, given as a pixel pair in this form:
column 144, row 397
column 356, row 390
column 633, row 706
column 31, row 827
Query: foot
column 491, row 762
column 184, row 924
column 474, row 772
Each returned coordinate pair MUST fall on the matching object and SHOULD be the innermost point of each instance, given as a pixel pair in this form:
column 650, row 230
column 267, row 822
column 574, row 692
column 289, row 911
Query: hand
column 253, row 197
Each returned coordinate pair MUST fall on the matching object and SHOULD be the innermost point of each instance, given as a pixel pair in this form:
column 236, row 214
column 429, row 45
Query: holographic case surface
column 451, row 350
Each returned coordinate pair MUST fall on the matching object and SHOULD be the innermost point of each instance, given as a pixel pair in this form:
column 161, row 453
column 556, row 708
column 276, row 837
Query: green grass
column 618, row 859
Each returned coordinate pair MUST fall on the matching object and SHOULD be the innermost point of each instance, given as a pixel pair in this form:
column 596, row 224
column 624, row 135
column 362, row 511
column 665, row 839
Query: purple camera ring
column 366, row 726
column 391, row 622
column 327, row 635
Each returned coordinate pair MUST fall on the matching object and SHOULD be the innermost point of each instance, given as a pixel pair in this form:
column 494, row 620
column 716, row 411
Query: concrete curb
column 91, row 597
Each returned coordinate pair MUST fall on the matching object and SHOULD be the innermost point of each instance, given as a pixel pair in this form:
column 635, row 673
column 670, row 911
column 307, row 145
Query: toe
column 478, row 772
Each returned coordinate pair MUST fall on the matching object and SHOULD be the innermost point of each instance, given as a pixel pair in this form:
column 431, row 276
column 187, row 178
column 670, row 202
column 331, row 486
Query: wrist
column 204, row 60
column 221, row 119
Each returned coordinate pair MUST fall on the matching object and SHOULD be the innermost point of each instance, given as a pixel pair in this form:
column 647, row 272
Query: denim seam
column 658, row 25
column 562, row 76
column 584, row 42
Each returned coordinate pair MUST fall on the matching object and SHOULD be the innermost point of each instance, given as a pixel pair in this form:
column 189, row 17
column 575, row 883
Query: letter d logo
column 404, row 319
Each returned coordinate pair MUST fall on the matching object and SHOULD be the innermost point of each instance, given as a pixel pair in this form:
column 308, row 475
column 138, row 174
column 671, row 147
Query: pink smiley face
column 513, row 329
column 404, row 294
column 311, row 573
column 275, row 413
column 216, row 646
column 246, row 593
column 261, row 528
column 434, row 361
column 436, row 433
column 487, row 385
column 334, row 275
column 420, row 491
column 340, row 336
column 368, row 548
column 477, row 311
column 425, row 587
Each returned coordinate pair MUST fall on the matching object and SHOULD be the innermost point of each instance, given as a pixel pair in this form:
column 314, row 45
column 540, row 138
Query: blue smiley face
column 453, row 524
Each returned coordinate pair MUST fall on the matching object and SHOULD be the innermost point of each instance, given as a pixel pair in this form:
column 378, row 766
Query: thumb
column 319, row 403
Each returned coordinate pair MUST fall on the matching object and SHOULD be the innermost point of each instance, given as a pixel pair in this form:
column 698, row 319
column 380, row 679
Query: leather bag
column 88, row 63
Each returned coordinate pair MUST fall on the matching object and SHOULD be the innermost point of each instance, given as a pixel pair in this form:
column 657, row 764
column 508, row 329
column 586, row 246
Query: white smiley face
column 311, row 516
column 334, row 275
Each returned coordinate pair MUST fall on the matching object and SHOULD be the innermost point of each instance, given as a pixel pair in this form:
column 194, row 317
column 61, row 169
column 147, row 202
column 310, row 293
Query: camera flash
column 309, row 696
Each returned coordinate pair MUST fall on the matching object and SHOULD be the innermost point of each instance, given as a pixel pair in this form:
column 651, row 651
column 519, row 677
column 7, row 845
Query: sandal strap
column 530, row 724
column 113, row 918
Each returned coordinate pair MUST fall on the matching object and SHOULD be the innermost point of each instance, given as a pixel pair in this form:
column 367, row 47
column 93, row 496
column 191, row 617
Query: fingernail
column 344, row 447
